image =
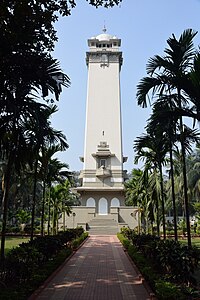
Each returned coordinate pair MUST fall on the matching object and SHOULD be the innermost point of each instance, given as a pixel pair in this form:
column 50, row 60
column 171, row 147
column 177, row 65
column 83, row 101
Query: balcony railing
column 103, row 172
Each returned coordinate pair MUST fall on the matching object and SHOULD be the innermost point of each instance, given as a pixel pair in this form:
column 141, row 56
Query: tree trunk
column 63, row 211
column 162, row 201
column 139, row 229
column 157, row 218
column 43, row 205
column 173, row 194
column 34, row 199
column 53, row 220
column 5, row 206
column 49, row 211
column 187, row 212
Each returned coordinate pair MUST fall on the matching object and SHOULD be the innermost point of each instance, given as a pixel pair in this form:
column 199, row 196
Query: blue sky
column 143, row 26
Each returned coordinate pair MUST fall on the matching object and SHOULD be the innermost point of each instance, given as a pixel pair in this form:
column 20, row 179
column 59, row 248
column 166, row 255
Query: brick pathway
column 99, row 270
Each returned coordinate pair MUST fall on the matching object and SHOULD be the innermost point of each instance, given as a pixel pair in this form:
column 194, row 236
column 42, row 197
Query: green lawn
column 195, row 242
column 14, row 242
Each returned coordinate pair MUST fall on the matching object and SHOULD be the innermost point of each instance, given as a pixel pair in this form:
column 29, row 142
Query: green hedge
column 28, row 265
column 167, row 265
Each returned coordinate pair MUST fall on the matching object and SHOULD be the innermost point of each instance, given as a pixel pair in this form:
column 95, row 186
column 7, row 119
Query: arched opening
column 103, row 206
column 90, row 202
column 115, row 202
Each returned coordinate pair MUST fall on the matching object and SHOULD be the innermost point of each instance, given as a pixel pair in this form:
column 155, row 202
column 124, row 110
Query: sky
column 143, row 27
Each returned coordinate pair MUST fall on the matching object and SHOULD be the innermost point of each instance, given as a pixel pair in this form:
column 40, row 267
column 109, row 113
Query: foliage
column 140, row 193
column 23, row 216
column 166, row 290
column 127, row 232
column 167, row 265
column 77, row 242
column 125, row 242
column 29, row 74
column 25, row 23
column 105, row 3
column 174, row 79
column 32, row 262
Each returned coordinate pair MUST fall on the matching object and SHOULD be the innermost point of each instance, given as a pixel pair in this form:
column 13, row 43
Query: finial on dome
column 104, row 28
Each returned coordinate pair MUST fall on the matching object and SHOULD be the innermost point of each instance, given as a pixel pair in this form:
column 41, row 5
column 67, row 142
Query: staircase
column 103, row 225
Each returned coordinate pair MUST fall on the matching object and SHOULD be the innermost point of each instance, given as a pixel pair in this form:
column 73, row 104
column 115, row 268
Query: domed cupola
column 104, row 41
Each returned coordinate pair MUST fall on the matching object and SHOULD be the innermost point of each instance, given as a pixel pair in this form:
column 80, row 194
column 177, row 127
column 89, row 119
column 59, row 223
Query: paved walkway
column 99, row 270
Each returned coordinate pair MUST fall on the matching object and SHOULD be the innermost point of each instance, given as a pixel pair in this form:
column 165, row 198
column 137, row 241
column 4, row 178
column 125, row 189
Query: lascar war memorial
column 101, row 192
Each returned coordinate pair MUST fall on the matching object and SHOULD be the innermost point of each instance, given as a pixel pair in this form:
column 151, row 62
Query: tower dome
column 105, row 37
column 104, row 40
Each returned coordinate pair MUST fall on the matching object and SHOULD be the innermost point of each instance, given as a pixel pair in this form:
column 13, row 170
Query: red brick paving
column 99, row 270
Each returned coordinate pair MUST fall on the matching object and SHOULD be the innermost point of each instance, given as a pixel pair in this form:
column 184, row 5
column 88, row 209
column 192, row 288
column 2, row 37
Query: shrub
column 178, row 261
column 165, row 264
column 22, row 261
column 127, row 232
column 166, row 290
column 77, row 242
column 125, row 242
column 20, row 264
column 12, row 229
column 48, row 246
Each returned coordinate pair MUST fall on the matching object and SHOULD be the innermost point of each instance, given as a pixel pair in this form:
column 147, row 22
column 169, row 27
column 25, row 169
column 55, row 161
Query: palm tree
column 57, row 173
column 18, row 106
column 23, row 217
column 137, row 195
column 153, row 148
column 61, row 204
column 193, row 166
column 163, row 117
column 46, row 160
column 171, row 68
column 42, row 135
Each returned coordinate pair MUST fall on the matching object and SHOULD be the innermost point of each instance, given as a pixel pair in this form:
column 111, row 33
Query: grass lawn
column 195, row 242
column 14, row 242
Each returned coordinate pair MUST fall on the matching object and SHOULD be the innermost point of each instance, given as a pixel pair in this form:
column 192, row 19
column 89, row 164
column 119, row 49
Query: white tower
column 102, row 174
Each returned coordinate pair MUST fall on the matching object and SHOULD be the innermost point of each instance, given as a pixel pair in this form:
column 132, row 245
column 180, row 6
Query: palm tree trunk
column 57, row 226
column 162, row 201
column 5, row 208
column 152, row 231
column 63, row 211
column 34, row 199
column 53, row 220
column 157, row 218
column 139, row 229
column 43, row 204
column 187, row 212
column 173, row 194
column 49, row 211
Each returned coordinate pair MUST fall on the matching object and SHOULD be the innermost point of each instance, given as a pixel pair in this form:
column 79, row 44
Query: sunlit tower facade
column 103, row 175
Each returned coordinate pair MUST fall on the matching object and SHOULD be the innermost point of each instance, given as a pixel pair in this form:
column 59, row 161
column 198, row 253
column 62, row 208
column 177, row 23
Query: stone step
column 103, row 232
column 102, row 220
column 97, row 224
column 103, row 225
column 104, row 217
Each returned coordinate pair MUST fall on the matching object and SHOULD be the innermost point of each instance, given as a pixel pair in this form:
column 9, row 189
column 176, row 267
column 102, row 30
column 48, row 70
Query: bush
column 23, row 262
column 48, row 246
column 166, row 290
column 20, row 264
column 165, row 264
column 178, row 261
column 77, row 242
column 127, row 232
column 125, row 242
column 12, row 229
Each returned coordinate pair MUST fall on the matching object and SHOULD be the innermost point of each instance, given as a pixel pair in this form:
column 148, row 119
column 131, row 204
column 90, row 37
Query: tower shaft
column 102, row 175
